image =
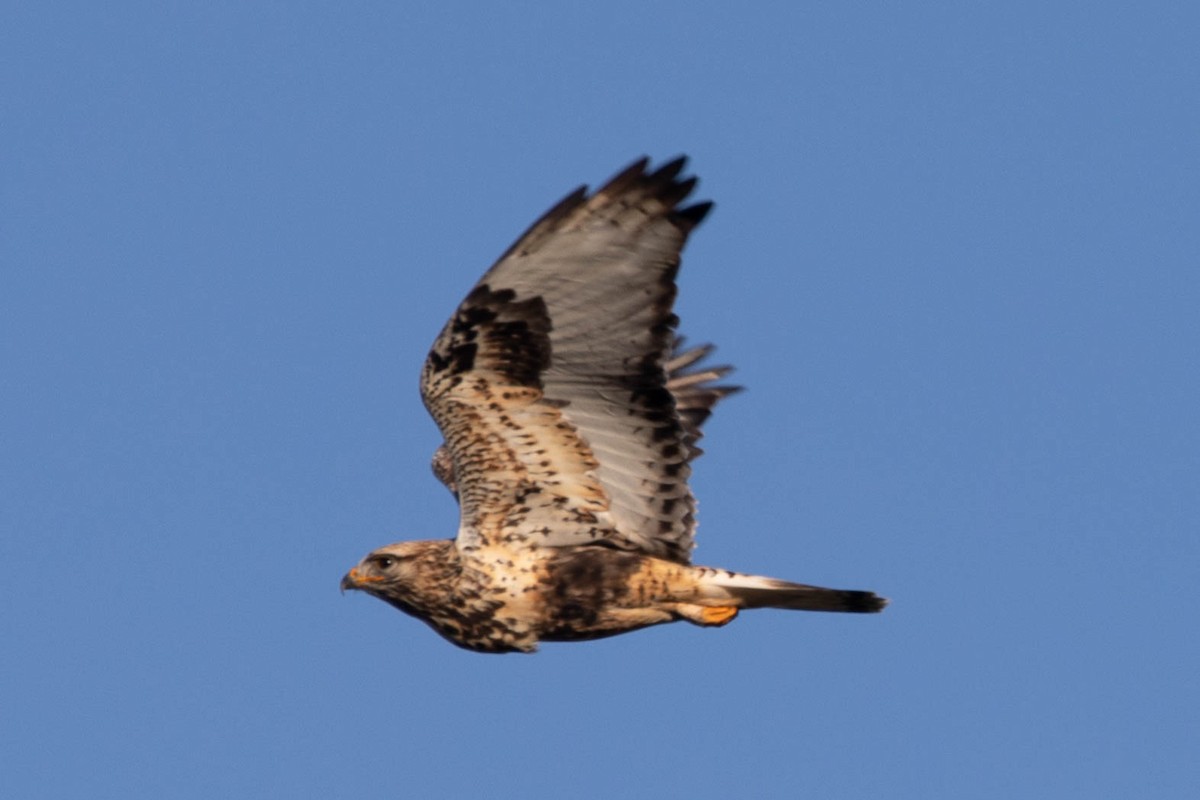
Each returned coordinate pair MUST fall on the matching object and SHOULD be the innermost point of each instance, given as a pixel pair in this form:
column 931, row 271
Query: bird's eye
column 385, row 562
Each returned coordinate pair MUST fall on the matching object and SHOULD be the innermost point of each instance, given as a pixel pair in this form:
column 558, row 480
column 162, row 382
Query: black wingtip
column 670, row 170
column 693, row 215
column 663, row 182
column 625, row 178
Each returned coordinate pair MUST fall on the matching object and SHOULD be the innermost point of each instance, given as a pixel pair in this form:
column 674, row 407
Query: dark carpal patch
column 492, row 330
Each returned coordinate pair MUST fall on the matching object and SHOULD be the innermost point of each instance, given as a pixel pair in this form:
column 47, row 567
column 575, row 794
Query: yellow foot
column 718, row 615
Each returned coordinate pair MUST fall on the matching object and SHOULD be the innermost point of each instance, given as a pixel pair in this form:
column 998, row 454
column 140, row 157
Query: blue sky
column 955, row 258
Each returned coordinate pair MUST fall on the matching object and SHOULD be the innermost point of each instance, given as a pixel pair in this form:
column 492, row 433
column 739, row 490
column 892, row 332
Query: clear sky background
column 955, row 258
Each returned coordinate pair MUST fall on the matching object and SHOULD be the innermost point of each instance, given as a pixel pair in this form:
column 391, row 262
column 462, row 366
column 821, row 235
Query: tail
column 753, row 591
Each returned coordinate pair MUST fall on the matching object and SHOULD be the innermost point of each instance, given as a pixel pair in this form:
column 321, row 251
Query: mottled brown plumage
column 571, row 412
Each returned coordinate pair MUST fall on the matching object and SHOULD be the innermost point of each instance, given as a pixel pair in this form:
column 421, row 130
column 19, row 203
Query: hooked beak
column 355, row 579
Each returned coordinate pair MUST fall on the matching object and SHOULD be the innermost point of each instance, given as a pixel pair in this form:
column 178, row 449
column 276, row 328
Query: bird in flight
column 571, row 411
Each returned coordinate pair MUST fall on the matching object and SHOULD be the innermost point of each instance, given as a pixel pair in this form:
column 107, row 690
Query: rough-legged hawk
column 570, row 412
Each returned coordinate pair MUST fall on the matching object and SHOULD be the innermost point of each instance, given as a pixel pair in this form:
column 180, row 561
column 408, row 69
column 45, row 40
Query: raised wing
column 695, row 390
column 549, row 382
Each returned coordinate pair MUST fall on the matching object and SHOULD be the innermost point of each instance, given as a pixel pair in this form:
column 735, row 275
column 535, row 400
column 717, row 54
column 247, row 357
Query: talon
column 718, row 615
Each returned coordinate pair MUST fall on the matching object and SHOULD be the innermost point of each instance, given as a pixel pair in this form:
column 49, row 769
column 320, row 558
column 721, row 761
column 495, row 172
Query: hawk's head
column 387, row 570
